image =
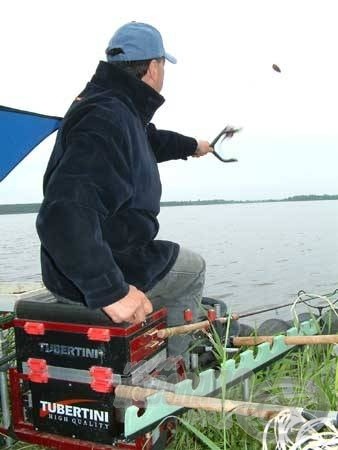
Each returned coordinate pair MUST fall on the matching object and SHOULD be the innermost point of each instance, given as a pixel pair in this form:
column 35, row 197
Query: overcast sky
column 225, row 50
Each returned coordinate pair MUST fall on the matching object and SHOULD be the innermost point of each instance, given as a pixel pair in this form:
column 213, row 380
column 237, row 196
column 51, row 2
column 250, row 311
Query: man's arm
column 168, row 145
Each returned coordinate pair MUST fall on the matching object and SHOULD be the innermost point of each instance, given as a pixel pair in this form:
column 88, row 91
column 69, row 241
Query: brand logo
column 67, row 350
column 65, row 411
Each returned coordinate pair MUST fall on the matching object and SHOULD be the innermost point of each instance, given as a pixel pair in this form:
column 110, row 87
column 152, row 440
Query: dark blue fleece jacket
column 97, row 223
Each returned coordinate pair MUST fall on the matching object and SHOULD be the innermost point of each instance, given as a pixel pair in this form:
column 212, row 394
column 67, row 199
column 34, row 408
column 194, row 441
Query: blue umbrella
column 20, row 132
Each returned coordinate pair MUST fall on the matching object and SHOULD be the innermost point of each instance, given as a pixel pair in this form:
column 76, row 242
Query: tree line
column 26, row 208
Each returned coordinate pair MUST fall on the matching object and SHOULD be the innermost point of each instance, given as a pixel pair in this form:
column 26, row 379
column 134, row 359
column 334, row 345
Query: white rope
column 299, row 298
column 286, row 423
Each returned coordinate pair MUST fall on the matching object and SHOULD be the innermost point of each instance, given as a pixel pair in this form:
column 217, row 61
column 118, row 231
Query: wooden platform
column 11, row 292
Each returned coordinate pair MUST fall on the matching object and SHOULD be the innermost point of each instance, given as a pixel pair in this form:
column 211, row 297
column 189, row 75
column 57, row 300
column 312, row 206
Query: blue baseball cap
column 136, row 41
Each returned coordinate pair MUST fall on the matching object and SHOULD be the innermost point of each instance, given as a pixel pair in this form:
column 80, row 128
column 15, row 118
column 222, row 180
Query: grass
column 306, row 377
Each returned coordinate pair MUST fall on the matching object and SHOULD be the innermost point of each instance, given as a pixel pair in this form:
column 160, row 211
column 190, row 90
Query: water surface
column 257, row 254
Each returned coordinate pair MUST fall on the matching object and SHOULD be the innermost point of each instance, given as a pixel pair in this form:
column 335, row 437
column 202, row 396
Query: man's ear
column 152, row 70
column 150, row 76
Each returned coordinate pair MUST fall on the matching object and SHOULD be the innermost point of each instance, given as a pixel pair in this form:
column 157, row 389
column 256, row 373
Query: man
column 97, row 223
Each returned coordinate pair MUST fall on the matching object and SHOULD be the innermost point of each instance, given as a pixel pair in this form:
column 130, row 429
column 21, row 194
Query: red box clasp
column 98, row 334
column 37, row 370
column 36, row 328
column 101, row 379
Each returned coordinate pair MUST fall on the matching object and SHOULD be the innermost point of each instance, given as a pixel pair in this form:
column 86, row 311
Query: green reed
column 305, row 377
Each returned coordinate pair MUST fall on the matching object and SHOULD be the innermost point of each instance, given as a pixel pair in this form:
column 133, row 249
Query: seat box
column 72, row 336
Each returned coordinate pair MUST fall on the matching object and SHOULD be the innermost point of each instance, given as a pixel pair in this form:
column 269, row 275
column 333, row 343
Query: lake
column 257, row 254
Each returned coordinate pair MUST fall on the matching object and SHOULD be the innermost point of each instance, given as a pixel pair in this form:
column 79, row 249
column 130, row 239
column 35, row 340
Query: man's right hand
column 132, row 308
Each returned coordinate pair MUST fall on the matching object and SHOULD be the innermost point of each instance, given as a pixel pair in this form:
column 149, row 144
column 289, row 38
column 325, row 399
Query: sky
column 225, row 50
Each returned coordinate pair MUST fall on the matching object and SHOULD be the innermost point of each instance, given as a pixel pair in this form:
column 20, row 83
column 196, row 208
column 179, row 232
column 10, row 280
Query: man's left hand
column 202, row 149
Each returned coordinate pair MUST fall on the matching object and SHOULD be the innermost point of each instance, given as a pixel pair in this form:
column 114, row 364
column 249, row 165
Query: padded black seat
column 46, row 308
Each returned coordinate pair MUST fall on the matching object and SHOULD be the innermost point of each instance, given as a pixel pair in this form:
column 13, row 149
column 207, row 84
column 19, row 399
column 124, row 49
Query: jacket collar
column 144, row 98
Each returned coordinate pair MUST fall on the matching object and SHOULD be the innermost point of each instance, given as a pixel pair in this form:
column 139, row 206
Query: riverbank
column 28, row 208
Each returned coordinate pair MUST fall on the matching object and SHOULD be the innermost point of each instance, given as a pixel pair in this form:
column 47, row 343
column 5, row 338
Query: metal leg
column 246, row 389
column 6, row 415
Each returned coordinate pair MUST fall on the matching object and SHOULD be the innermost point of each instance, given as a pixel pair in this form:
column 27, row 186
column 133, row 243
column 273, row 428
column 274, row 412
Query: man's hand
column 203, row 148
column 132, row 308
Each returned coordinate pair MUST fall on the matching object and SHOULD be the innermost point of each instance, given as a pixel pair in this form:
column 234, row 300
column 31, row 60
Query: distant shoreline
column 28, row 208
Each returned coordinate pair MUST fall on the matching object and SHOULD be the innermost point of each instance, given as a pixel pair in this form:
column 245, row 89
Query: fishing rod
column 241, row 341
column 189, row 328
column 259, row 410
column 140, row 394
column 275, row 308
column 288, row 340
